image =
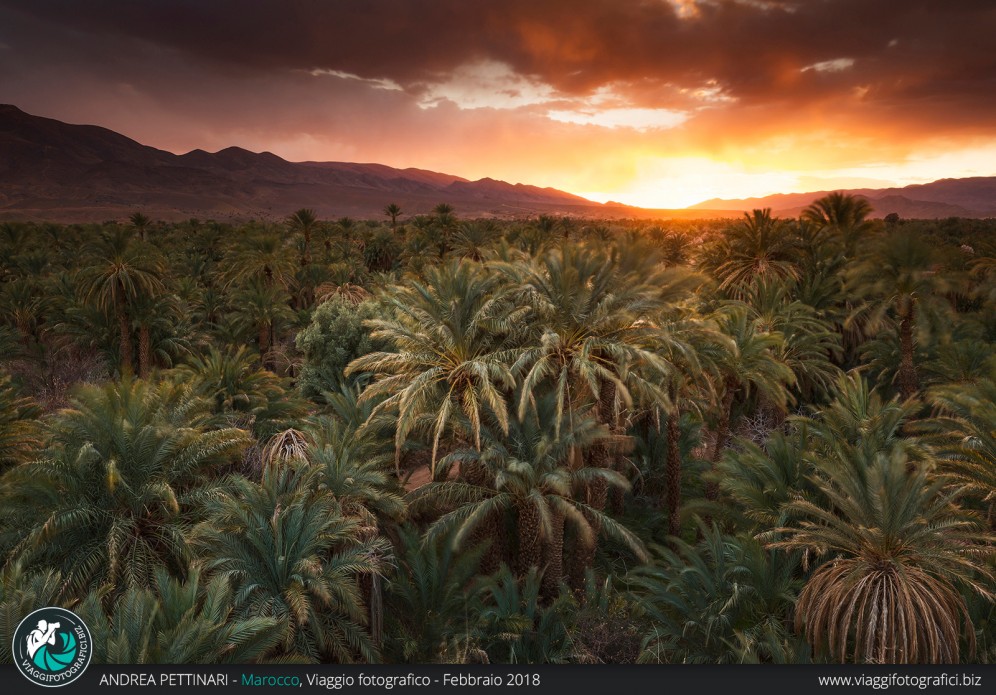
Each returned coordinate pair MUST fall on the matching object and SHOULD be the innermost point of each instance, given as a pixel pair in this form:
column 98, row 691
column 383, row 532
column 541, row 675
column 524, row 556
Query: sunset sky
column 658, row 103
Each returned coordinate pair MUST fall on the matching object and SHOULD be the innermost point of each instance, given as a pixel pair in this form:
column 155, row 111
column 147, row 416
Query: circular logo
column 52, row 647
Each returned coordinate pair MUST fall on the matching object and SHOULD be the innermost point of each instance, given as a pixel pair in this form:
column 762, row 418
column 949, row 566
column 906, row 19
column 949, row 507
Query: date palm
column 110, row 503
column 292, row 555
column 840, row 214
column 449, row 373
column 393, row 210
column 261, row 255
column 176, row 622
column 809, row 343
column 758, row 247
column 752, row 366
column 896, row 548
column 964, row 433
column 118, row 271
column 304, row 222
column 529, row 477
column 20, row 433
column 892, row 281
column 261, row 307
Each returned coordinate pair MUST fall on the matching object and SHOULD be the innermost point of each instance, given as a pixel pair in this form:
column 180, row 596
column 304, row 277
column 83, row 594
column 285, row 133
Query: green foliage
column 176, row 622
column 336, row 336
column 110, row 503
column 724, row 600
column 550, row 390
column 292, row 555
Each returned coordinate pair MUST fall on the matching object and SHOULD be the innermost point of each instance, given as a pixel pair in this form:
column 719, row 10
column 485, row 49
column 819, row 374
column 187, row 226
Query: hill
column 55, row 171
column 968, row 197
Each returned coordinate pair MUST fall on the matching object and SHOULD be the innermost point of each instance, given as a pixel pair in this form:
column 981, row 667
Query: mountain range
column 54, row 171
column 51, row 170
column 967, row 197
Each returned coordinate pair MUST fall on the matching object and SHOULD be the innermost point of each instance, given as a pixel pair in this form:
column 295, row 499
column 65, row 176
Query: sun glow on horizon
column 680, row 182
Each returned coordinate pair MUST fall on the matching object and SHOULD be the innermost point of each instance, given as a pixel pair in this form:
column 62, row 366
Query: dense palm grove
column 440, row 440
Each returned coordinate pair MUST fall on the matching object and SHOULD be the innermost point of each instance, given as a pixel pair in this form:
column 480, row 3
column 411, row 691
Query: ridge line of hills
column 54, row 171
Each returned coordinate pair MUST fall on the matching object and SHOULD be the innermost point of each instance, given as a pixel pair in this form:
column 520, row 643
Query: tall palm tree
column 451, row 336
column 393, row 211
column 140, row 223
column 262, row 307
column 758, row 247
column 111, row 502
column 118, row 271
column 809, row 343
column 528, row 476
column 293, row 556
column 752, row 366
column 897, row 548
column 261, row 255
column 694, row 348
column 590, row 325
column 892, row 281
column 304, row 221
column 841, row 214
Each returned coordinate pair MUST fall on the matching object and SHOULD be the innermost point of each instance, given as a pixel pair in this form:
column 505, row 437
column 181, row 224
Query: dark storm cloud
column 918, row 52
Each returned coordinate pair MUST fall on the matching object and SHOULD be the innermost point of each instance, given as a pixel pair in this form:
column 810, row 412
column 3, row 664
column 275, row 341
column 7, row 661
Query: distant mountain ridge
column 968, row 197
column 51, row 170
column 54, row 171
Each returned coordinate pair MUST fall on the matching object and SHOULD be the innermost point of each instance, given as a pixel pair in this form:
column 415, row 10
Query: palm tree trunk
column 144, row 351
column 264, row 335
column 125, row 328
column 530, row 542
column 722, row 435
column 673, row 474
column 554, row 552
column 909, row 382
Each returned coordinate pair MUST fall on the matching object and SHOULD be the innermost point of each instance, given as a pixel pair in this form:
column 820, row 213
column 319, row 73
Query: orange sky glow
column 655, row 103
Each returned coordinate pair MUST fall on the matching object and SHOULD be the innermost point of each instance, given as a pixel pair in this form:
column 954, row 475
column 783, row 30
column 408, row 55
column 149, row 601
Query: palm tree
column 517, row 624
column 261, row 256
column 758, row 247
column 707, row 602
column 590, row 325
column 21, row 592
column 432, row 600
column 176, row 622
column 693, row 347
column 752, row 366
column 261, row 306
column 897, row 548
column 842, row 214
column 393, row 211
column 528, row 475
column 117, row 273
column 896, row 276
column 965, row 435
column 292, row 555
column 19, row 430
column 239, row 393
column 355, row 471
column 140, row 223
column 451, row 339
column 111, row 501
column 809, row 343
column 304, row 221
